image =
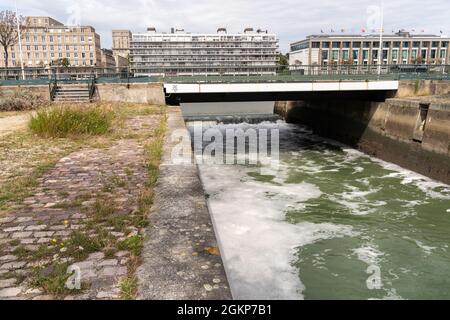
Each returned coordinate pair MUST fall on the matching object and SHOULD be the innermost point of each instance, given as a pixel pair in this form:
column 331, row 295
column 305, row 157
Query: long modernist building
column 399, row 48
column 47, row 40
column 222, row 53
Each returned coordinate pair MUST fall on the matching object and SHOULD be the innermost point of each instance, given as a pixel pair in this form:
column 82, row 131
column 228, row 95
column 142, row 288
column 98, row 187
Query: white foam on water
column 369, row 254
column 258, row 245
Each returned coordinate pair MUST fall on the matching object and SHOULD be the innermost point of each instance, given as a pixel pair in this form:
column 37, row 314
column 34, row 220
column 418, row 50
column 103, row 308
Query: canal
column 328, row 223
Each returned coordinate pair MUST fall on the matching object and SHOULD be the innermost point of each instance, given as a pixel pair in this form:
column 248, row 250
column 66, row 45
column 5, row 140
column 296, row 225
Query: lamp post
column 20, row 42
column 380, row 52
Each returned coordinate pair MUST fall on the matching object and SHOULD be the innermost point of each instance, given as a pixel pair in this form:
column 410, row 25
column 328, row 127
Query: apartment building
column 222, row 53
column 107, row 58
column 398, row 48
column 47, row 40
column 121, row 42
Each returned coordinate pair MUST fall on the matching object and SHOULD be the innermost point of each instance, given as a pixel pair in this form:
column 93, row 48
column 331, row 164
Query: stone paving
column 40, row 233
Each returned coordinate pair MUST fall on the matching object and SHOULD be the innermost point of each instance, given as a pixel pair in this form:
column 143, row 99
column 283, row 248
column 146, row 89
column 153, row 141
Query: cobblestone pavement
column 77, row 216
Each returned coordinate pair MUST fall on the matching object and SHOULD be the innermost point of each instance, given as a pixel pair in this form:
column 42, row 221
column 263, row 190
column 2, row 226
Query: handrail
column 52, row 86
column 91, row 86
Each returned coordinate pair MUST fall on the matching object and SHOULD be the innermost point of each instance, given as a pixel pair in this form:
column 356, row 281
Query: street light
column 20, row 42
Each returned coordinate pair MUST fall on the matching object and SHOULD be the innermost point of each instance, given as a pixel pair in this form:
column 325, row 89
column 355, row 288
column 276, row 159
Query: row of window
column 44, row 55
column 30, row 63
column 52, row 38
column 413, row 54
column 370, row 44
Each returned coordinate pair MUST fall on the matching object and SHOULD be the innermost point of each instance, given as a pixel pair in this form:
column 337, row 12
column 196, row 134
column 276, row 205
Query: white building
column 399, row 48
column 222, row 53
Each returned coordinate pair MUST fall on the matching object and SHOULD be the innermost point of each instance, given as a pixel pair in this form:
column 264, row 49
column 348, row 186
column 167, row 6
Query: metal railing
column 218, row 74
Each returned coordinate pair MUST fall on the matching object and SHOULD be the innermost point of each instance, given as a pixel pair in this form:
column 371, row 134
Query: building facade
column 107, row 58
column 399, row 48
column 121, row 42
column 222, row 53
column 47, row 40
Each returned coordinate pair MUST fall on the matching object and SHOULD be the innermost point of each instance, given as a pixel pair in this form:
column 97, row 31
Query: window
column 396, row 44
column 366, row 55
column 414, row 54
column 385, row 54
column 435, row 44
column 416, row 44
column 423, row 54
column 344, row 55
column 433, row 54
column 374, row 54
column 315, row 45
column 325, row 45
column 346, row 44
column 355, row 54
column 394, row 54
column 336, row 44
column 405, row 54
column 442, row 55
column 324, row 55
column 335, row 55
column 386, row 44
column 405, row 44
column 366, row 44
column 356, row 44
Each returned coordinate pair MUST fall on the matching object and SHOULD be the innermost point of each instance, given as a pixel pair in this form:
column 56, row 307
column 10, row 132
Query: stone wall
column 42, row 90
column 390, row 130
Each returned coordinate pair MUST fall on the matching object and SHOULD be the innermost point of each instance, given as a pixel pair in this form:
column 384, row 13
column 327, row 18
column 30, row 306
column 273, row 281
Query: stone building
column 47, row 40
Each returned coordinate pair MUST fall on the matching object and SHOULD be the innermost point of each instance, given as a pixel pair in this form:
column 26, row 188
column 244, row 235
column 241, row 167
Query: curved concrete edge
column 180, row 258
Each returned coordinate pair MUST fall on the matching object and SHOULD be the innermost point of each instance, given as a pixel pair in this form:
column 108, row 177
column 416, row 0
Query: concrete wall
column 411, row 88
column 152, row 93
column 43, row 90
column 227, row 108
column 387, row 130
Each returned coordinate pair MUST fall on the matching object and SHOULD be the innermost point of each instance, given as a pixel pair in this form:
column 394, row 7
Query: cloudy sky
column 291, row 20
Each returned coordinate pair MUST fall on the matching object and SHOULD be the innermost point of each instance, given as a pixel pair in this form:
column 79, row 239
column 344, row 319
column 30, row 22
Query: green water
column 399, row 222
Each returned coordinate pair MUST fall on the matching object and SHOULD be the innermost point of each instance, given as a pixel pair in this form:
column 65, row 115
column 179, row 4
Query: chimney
column 248, row 30
column 172, row 30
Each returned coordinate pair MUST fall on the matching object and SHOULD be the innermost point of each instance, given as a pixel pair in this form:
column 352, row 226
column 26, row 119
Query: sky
column 291, row 20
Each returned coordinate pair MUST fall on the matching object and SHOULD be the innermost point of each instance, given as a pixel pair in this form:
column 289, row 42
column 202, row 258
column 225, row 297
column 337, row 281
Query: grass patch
column 133, row 244
column 64, row 121
column 52, row 279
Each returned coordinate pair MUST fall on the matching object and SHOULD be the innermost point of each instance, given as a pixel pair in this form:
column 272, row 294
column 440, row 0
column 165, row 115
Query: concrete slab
column 181, row 259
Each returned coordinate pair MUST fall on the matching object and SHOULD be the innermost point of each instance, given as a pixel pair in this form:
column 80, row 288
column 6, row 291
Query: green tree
column 283, row 62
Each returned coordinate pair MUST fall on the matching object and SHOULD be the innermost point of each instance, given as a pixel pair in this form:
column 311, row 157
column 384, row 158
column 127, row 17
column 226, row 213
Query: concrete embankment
column 152, row 93
column 181, row 259
column 412, row 131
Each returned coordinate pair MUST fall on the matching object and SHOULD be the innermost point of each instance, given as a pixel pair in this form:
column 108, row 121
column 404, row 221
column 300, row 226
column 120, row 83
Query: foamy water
column 332, row 211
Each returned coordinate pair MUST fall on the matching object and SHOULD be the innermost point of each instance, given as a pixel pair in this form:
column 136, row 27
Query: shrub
column 63, row 121
column 20, row 100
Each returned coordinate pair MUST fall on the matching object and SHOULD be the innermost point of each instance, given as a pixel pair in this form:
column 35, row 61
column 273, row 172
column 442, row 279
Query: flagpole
column 380, row 53
column 20, row 41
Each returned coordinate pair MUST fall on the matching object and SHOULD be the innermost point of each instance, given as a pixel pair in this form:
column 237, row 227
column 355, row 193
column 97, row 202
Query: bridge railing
column 213, row 74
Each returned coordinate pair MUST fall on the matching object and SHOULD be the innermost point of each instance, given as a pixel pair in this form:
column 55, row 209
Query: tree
column 283, row 62
column 63, row 62
column 9, row 35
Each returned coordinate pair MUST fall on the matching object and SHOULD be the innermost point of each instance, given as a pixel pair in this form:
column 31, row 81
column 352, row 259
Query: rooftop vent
column 403, row 33
column 222, row 30
column 248, row 30
column 151, row 29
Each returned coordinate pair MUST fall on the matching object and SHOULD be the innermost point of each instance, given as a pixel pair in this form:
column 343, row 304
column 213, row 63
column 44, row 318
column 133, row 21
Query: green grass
column 64, row 121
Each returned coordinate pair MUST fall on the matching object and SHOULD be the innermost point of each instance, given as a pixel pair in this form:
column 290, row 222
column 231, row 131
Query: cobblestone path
column 83, row 214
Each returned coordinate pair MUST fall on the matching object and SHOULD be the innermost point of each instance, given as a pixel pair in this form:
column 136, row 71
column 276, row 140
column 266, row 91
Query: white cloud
column 291, row 19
